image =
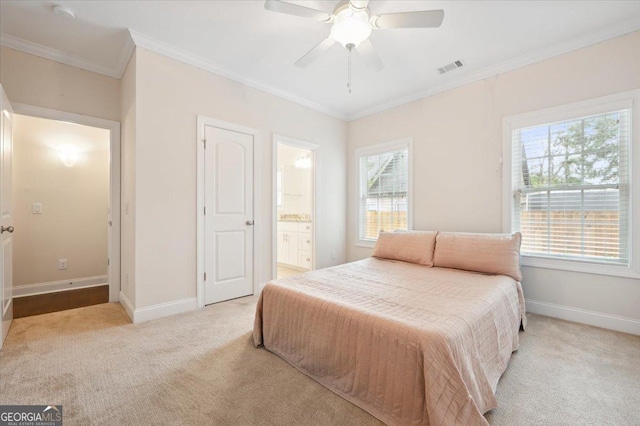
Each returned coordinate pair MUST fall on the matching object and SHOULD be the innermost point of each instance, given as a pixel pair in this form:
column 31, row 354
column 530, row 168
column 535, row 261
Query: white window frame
column 379, row 149
column 618, row 101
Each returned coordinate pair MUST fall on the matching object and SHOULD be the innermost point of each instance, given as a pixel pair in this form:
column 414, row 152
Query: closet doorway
column 295, row 220
column 66, row 208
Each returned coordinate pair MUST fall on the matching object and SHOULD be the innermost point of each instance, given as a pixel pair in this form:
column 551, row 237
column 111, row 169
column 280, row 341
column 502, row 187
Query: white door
column 228, row 223
column 6, row 230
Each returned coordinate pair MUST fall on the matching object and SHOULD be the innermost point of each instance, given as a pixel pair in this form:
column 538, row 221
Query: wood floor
column 59, row 301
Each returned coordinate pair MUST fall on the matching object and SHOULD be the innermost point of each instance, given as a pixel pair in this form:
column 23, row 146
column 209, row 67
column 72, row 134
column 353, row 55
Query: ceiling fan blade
column 369, row 55
column 423, row 19
column 297, row 10
column 359, row 4
column 314, row 53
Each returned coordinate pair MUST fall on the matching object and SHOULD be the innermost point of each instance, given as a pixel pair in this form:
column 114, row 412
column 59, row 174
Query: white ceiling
column 242, row 40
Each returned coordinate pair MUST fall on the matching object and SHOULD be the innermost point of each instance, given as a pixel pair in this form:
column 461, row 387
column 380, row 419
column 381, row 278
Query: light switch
column 36, row 208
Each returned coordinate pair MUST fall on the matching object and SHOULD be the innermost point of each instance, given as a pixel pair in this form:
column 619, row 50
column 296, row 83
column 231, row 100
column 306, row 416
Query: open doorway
column 295, row 201
column 63, row 195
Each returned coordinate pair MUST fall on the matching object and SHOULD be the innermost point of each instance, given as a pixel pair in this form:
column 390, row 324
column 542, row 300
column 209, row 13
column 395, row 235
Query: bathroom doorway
column 295, row 219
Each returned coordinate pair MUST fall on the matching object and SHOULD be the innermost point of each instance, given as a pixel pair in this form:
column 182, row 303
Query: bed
column 410, row 344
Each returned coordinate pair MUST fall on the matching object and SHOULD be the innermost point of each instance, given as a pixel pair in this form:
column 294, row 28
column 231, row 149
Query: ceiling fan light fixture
column 351, row 27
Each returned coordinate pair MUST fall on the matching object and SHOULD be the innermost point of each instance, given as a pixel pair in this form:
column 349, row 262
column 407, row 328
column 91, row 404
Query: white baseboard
column 597, row 319
column 56, row 286
column 164, row 309
column 157, row 311
column 126, row 304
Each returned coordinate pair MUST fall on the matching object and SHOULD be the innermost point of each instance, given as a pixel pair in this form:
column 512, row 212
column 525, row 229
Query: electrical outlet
column 62, row 264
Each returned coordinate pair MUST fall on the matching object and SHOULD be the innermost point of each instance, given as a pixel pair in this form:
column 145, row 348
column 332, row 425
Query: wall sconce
column 303, row 162
column 68, row 156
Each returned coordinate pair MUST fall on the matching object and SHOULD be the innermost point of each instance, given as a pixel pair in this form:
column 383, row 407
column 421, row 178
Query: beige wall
column 169, row 96
column 458, row 144
column 457, row 147
column 75, row 201
column 32, row 80
column 128, row 171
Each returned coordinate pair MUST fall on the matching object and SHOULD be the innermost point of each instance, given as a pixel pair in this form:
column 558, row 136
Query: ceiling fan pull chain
column 349, row 49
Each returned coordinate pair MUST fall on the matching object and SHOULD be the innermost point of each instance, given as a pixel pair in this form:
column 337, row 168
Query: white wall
column 458, row 144
column 169, row 95
column 32, row 80
column 75, row 201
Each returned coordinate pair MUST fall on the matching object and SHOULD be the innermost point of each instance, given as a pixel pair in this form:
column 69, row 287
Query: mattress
column 407, row 343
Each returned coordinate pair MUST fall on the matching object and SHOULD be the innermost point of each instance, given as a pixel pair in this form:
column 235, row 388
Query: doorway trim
column 201, row 122
column 113, row 270
column 315, row 196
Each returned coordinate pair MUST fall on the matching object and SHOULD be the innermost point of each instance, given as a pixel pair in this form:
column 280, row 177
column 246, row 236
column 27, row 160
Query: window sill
column 577, row 266
column 365, row 244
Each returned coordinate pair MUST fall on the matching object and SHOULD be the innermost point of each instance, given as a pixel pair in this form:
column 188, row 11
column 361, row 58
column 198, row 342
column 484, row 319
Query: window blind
column 384, row 192
column 571, row 188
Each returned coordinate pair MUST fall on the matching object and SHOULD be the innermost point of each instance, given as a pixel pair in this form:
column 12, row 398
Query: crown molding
column 146, row 42
column 509, row 65
column 46, row 52
column 125, row 55
column 138, row 39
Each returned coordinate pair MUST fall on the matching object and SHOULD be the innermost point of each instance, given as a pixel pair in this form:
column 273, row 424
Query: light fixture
column 303, row 162
column 351, row 27
column 68, row 156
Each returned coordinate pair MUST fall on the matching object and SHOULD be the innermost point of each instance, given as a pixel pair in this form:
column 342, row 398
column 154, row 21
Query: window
column 570, row 184
column 384, row 187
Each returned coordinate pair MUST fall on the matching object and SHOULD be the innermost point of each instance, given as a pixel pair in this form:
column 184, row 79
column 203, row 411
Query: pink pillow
column 490, row 253
column 407, row 246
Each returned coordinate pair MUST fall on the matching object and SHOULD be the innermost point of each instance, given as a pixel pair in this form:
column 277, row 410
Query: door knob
column 8, row 229
column 250, row 222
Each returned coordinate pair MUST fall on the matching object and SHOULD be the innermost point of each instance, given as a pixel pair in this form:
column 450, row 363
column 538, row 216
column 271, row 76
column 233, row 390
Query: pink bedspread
column 407, row 343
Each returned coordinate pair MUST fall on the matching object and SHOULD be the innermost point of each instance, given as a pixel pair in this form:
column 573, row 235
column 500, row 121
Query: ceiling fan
column 352, row 23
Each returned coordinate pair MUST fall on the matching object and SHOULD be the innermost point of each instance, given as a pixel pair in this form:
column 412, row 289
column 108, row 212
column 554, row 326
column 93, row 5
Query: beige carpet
column 201, row 368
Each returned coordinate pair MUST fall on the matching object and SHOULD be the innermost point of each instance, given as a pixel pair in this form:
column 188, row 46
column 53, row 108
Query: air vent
column 64, row 12
column 450, row 67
